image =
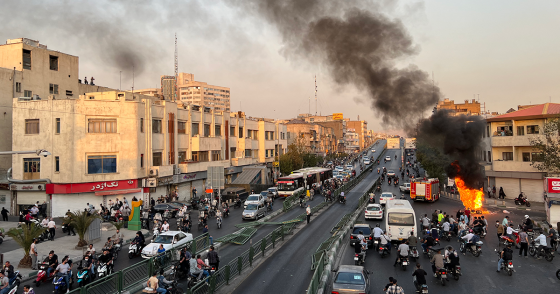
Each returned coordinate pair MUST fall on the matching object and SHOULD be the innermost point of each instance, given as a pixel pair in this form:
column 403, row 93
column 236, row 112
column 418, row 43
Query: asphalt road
column 479, row 273
column 288, row 270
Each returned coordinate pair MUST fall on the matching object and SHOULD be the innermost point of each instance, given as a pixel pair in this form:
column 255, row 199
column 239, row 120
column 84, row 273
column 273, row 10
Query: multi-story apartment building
column 201, row 93
column 360, row 127
column 467, row 108
column 316, row 138
column 508, row 154
column 328, row 121
column 168, row 88
column 115, row 144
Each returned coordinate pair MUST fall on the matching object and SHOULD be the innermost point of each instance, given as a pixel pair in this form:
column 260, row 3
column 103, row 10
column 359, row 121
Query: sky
column 501, row 52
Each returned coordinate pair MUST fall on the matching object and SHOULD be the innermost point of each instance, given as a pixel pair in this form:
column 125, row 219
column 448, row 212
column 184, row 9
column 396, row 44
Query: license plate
column 376, row 242
column 355, row 258
column 424, row 291
column 444, row 276
column 510, row 266
column 405, row 263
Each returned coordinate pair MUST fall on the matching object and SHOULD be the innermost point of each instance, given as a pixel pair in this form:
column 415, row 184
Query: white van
column 400, row 219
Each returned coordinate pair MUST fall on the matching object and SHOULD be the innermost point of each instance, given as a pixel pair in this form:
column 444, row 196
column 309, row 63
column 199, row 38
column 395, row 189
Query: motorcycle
column 507, row 265
column 546, row 251
column 441, row 275
column 413, row 253
column 522, row 201
column 82, row 276
column 475, row 249
column 447, row 236
column 383, row 250
column 268, row 207
column 15, row 280
column 225, row 212
column 403, row 262
column 103, row 270
column 219, row 222
column 389, row 181
column 378, row 188
column 134, row 249
column 396, row 183
column 342, row 199
column 371, row 198
column 42, row 274
column 237, row 204
column 59, row 283
column 420, row 289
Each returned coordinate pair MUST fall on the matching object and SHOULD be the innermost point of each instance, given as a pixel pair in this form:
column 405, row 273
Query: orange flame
column 472, row 198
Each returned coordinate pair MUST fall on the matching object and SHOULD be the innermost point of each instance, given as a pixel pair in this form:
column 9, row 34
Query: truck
column 409, row 144
column 394, row 143
column 427, row 190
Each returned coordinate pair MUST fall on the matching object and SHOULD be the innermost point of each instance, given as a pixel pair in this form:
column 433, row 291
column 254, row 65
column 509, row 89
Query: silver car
column 351, row 279
column 253, row 211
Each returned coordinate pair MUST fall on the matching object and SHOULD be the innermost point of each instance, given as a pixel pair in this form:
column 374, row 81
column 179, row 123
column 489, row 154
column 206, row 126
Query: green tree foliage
column 298, row 157
column 548, row 147
column 81, row 220
column 24, row 237
column 432, row 160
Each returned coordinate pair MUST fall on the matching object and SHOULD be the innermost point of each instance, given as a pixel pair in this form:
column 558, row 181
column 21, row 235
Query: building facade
column 316, row 138
column 360, row 127
column 467, row 108
column 201, row 93
column 507, row 153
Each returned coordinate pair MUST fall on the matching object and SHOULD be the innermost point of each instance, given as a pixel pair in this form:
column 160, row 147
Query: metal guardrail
column 341, row 222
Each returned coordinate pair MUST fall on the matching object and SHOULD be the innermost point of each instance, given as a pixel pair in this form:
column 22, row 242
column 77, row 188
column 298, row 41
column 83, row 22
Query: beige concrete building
column 467, row 108
column 316, row 138
column 360, row 127
column 507, row 153
column 203, row 94
column 108, row 145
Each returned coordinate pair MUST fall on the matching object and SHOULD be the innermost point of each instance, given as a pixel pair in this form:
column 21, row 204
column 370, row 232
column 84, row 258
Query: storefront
column 74, row 197
column 25, row 195
column 231, row 173
column 186, row 182
column 552, row 200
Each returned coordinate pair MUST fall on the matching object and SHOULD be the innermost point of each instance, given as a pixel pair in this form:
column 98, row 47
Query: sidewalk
column 501, row 203
column 62, row 246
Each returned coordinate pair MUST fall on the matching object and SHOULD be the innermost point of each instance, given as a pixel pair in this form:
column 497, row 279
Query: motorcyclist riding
column 451, row 257
column 437, row 262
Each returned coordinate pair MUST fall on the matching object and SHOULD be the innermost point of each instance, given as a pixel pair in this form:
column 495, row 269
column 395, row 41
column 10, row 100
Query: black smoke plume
column 457, row 137
column 359, row 46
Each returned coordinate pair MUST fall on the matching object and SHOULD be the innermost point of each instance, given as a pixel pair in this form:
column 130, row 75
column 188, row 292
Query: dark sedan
column 162, row 207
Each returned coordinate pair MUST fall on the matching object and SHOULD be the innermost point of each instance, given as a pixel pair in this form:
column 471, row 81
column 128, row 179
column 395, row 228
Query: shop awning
column 118, row 192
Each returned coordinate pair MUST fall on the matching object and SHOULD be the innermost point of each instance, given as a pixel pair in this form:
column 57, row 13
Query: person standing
column 523, row 243
column 308, row 211
column 5, row 213
column 33, row 253
column 213, row 258
column 468, row 215
column 52, row 227
column 500, row 229
column 193, row 192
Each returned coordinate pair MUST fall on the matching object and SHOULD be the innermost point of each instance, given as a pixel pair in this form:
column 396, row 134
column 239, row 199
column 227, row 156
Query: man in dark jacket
column 213, row 258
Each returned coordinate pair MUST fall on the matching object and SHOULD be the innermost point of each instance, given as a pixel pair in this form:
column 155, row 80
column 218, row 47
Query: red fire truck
column 425, row 190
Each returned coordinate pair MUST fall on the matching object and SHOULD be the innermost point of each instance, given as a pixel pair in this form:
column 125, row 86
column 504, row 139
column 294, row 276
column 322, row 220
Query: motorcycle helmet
column 526, row 216
column 470, row 231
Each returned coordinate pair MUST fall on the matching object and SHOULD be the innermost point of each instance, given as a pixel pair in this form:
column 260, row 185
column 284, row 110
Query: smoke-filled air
column 358, row 46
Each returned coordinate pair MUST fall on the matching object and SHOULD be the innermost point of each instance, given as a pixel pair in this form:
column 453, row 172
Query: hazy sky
column 506, row 51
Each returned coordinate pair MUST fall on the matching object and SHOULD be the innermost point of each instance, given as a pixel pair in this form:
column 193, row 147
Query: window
column 156, row 126
column 53, row 89
column 195, row 129
column 526, row 156
column 141, row 125
column 232, row 131
column 101, row 125
column 537, row 156
column 27, row 93
column 521, row 130
column 102, row 164
column 26, row 59
column 181, row 127
column 58, row 125
column 31, row 126
column 507, row 156
column 532, row 129
column 57, row 164
column 53, row 62
column 217, row 130
column 200, row 156
column 69, row 93
column 248, row 153
column 206, row 130
column 256, row 135
column 157, row 159
column 18, row 87
column 182, row 156
column 487, row 131
column 489, row 156
column 232, row 151
column 484, row 154
column 216, row 155
column 141, row 160
column 240, row 132
column 31, row 168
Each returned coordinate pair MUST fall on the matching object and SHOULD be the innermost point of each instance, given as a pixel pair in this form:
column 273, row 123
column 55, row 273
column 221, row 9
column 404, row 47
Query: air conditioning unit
column 150, row 183
column 176, row 169
column 153, row 172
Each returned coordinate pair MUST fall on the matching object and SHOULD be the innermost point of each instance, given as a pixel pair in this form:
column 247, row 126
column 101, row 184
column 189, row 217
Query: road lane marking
column 490, row 281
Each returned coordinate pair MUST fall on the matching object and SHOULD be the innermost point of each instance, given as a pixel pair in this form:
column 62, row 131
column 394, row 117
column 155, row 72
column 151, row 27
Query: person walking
column 33, row 253
column 523, row 243
column 52, row 228
column 5, row 213
column 308, row 211
column 500, row 229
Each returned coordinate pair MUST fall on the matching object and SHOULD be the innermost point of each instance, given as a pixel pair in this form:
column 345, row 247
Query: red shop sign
column 553, row 185
column 90, row 187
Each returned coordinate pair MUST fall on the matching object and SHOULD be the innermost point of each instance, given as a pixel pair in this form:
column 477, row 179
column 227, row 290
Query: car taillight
column 510, row 263
column 356, row 254
column 351, row 237
column 443, row 273
column 334, row 292
column 370, row 237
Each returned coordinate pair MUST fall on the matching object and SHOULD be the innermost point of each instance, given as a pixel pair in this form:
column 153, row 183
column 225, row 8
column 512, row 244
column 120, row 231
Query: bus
column 291, row 184
column 315, row 175
column 400, row 219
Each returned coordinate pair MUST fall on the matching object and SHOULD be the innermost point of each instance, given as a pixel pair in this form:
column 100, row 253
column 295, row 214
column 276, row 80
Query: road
column 288, row 270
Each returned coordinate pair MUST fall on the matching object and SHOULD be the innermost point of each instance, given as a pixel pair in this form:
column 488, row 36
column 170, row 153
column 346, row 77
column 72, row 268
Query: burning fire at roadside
column 471, row 198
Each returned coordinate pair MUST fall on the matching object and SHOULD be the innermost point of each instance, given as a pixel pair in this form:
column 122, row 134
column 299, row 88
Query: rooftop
column 535, row 111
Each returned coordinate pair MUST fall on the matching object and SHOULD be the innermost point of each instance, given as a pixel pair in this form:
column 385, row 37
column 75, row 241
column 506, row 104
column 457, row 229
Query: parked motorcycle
column 547, row 252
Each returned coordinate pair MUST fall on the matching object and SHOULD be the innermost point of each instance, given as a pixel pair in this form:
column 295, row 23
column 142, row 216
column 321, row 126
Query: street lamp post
column 39, row 152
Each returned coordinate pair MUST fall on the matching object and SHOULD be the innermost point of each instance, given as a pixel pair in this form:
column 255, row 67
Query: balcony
column 191, row 167
column 162, row 171
column 242, row 161
column 513, row 166
column 206, row 143
column 508, row 141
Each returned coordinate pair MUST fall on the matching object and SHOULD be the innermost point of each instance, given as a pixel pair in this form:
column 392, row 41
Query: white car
column 374, row 211
column 373, row 150
column 366, row 161
column 274, row 191
column 169, row 239
column 405, row 187
column 349, row 167
column 386, row 196
column 387, row 158
column 390, row 173
column 253, row 199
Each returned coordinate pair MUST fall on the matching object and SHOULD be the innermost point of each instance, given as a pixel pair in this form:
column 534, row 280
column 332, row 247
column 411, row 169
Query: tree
column 81, row 220
column 547, row 147
column 118, row 225
column 24, row 237
column 433, row 161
